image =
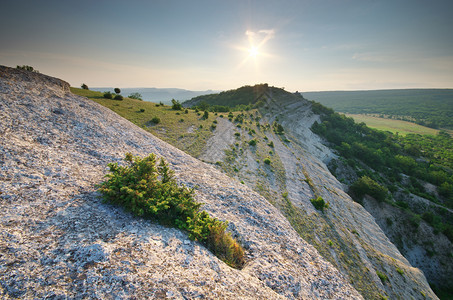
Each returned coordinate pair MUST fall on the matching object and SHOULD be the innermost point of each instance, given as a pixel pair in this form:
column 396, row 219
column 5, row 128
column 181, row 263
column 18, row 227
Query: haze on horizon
column 307, row 45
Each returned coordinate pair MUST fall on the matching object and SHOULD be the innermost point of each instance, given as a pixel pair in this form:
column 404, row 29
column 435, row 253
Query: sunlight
column 256, row 42
column 253, row 52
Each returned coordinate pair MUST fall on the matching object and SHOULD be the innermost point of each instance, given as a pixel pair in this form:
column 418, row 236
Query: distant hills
column 164, row 95
column 428, row 107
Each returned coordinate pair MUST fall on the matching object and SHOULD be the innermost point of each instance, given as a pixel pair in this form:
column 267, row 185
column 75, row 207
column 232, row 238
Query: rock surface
column 58, row 240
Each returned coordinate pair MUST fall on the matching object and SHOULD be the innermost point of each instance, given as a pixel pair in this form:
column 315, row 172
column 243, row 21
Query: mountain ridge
column 59, row 240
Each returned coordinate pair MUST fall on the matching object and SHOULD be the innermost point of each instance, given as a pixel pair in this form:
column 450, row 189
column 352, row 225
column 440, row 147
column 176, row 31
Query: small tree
column 205, row 114
column 84, row 86
column 118, row 97
column 176, row 105
column 136, row 96
column 117, row 90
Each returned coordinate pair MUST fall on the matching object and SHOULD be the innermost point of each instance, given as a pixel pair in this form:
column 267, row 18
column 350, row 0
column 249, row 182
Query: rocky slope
column 58, row 240
column 345, row 233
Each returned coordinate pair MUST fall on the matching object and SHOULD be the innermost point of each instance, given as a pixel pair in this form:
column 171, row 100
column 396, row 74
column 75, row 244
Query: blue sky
column 305, row 45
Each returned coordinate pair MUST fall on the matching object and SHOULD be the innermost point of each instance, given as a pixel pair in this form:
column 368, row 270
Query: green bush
column 118, row 97
column 108, row 95
column 148, row 189
column 366, row 185
column 141, row 109
column 267, row 161
column 84, row 86
column 252, row 142
column 155, row 120
column 382, row 276
column 27, row 68
column 319, row 203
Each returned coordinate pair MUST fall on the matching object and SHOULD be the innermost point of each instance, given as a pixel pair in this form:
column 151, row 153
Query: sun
column 253, row 52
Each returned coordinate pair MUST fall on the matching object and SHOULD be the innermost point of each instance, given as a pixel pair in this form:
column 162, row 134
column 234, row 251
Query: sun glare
column 253, row 52
column 256, row 41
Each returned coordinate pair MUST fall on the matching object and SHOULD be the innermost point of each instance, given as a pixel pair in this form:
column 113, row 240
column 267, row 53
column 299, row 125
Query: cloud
column 260, row 37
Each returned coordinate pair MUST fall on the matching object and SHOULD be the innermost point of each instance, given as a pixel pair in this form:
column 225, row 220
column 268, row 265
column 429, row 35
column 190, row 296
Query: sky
column 304, row 45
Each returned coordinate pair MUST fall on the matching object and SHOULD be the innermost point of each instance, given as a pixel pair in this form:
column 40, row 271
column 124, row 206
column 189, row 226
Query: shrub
column 366, row 185
column 148, row 189
column 108, row 95
column 136, row 96
column 27, row 68
column 84, row 86
column 205, row 114
column 155, row 120
column 319, row 203
column 252, row 142
column 141, row 109
column 176, row 105
column 117, row 90
column 271, row 144
column 118, row 97
column 278, row 128
column 267, row 161
column 382, row 276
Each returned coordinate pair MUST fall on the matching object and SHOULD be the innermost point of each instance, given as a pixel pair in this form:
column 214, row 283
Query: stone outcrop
column 57, row 239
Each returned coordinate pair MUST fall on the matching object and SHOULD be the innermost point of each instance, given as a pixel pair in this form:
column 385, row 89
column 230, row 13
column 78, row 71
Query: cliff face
column 59, row 240
column 344, row 233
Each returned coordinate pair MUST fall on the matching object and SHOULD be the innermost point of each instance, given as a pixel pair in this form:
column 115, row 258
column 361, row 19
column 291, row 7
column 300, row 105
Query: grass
column 187, row 131
column 402, row 127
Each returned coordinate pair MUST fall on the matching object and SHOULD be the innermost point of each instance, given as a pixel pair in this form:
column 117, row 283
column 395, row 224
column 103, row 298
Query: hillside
column 243, row 96
column 428, row 107
column 59, row 240
column 272, row 150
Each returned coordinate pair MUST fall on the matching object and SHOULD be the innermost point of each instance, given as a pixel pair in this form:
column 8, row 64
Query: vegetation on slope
column 428, row 107
column 381, row 158
column 149, row 190
column 187, row 129
column 390, row 168
column 237, row 99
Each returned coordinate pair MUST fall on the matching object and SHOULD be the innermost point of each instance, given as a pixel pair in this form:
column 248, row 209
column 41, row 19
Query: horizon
column 308, row 46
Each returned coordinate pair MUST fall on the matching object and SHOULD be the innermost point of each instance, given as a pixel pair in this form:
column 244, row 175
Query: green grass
column 188, row 132
column 402, row 127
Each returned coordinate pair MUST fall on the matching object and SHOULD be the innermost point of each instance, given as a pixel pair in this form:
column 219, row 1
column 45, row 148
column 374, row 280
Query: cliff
column 295, row 174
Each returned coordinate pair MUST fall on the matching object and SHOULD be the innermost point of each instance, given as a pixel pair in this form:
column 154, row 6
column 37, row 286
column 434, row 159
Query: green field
column 427, row 107
column 394, row 126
